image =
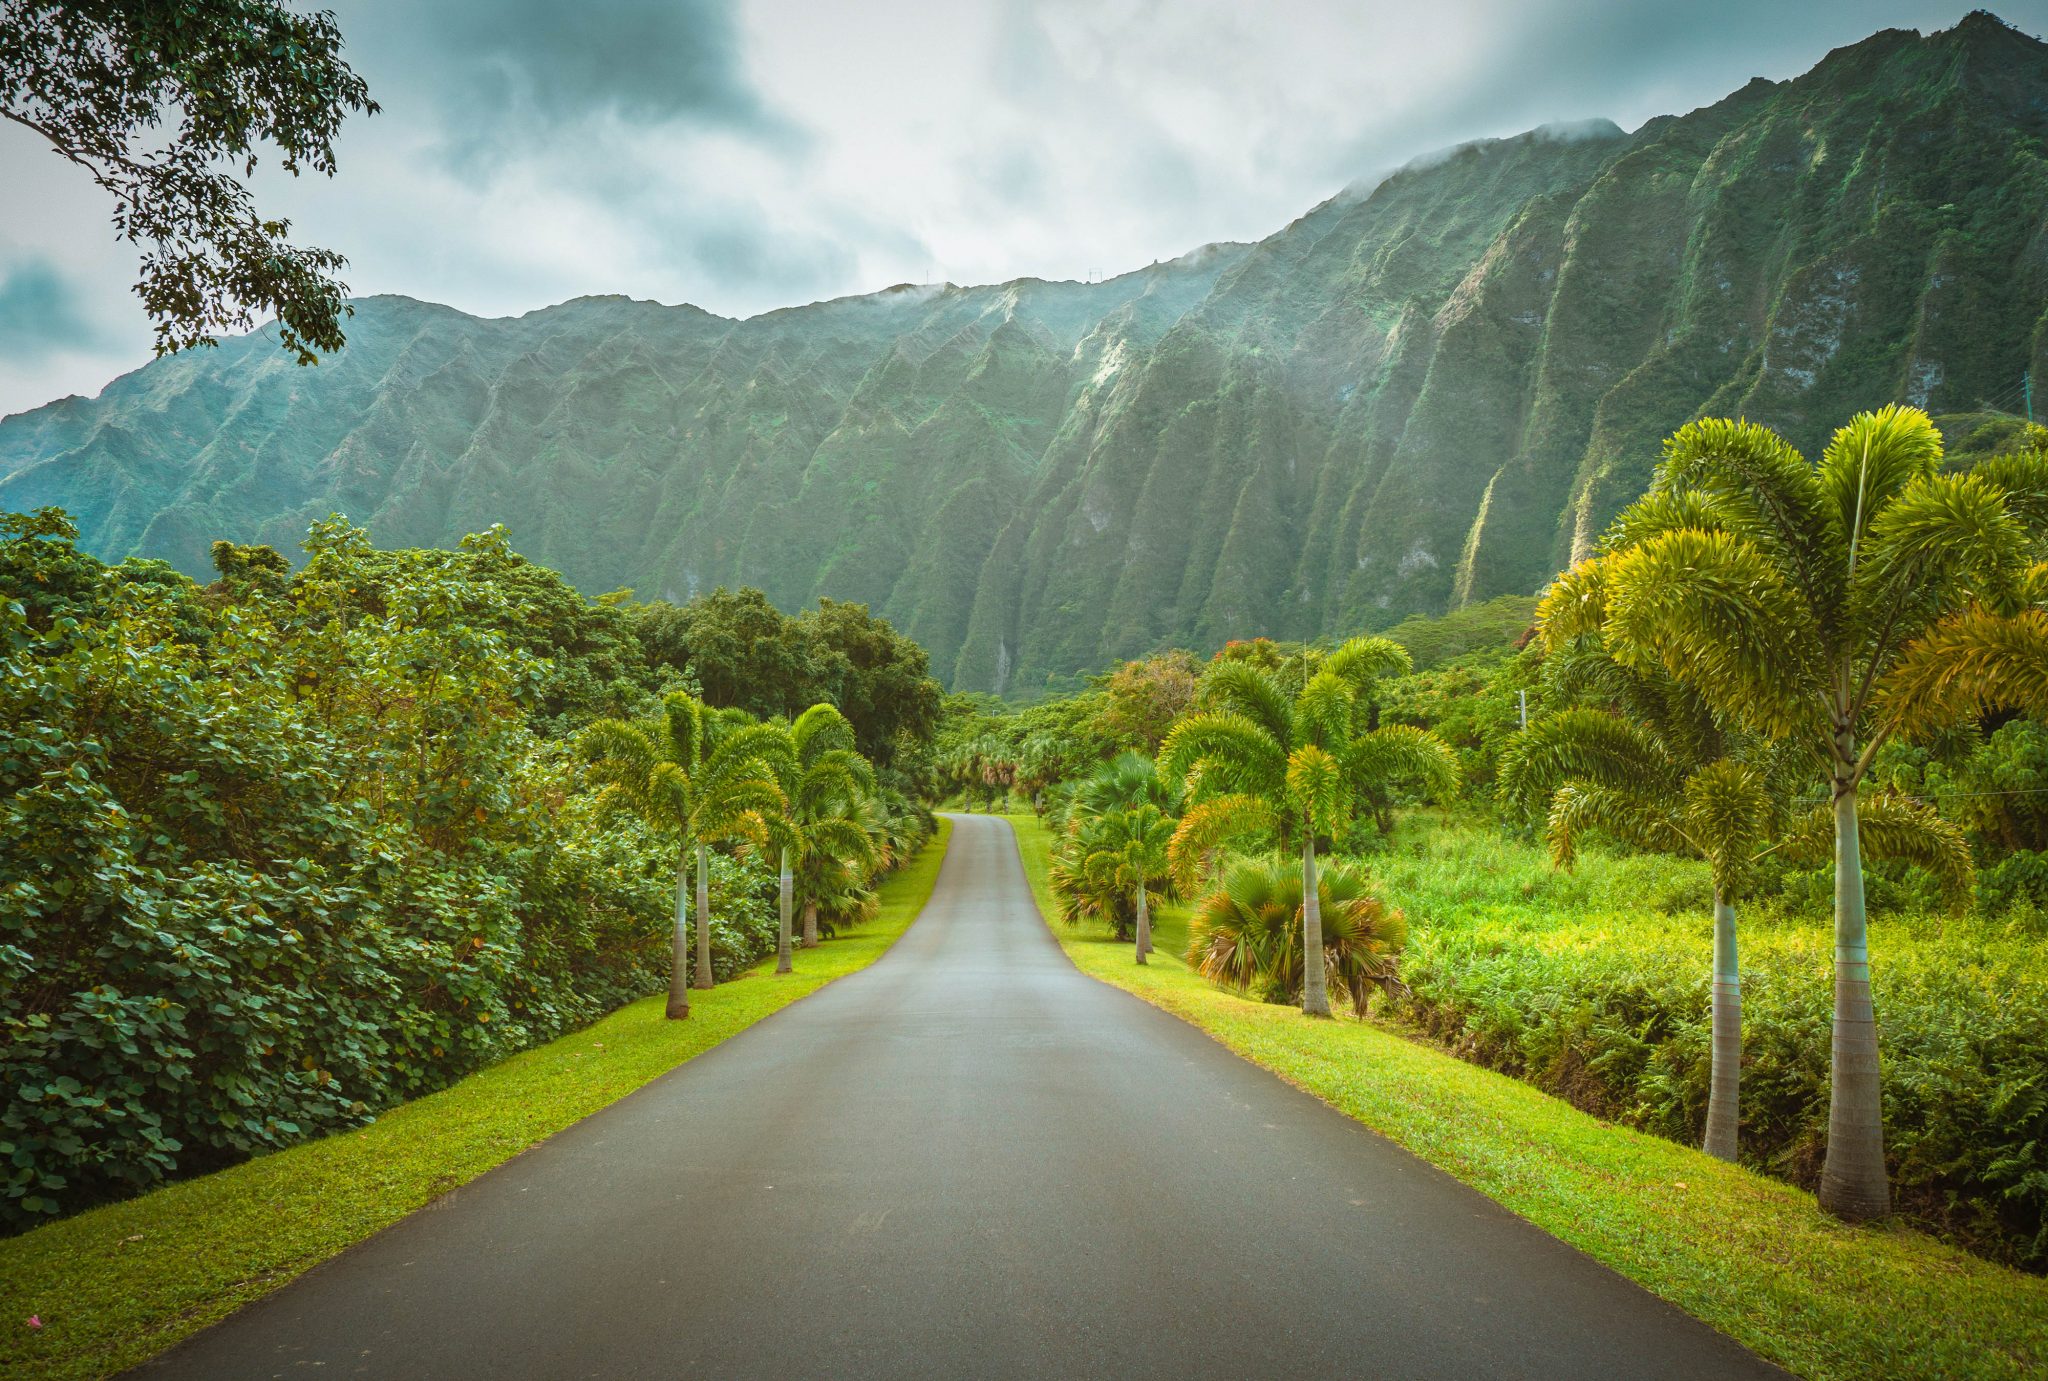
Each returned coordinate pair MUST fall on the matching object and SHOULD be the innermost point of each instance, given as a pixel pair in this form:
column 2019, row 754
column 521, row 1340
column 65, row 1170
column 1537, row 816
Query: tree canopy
column 214, row 80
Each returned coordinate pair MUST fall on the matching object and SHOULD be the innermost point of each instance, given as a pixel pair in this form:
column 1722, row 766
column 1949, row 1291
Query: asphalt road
column 966, row 1160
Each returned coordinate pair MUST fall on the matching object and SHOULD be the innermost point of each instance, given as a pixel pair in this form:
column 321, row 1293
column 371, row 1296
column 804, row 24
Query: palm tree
column 1658, row 791
column 1245, row 932
column 1257, row 760
column 1597, row 770
column 1784, row 593
column 698, row 776
column 825, row 779
column 1106, row 858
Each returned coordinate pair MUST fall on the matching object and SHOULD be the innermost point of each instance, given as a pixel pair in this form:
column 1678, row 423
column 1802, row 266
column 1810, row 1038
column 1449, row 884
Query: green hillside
column 1407, row 401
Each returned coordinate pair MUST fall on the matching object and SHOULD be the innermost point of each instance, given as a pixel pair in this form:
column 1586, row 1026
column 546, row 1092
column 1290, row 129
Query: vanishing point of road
column 967, row 1160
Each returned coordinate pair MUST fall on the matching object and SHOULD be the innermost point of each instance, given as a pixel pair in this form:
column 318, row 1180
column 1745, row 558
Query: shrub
column 271, row 860
column 1573, row 982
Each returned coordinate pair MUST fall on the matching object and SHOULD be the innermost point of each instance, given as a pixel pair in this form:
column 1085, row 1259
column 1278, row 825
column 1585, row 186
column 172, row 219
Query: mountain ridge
column 1403, row 401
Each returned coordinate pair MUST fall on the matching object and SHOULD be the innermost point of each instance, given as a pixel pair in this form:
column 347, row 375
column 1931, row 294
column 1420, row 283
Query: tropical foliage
column 283, row 850
column 1790, row 596
column 1259, row 761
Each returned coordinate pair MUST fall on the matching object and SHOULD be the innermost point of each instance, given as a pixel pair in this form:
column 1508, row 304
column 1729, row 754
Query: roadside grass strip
column 1750, row 1256
column 118, row 1284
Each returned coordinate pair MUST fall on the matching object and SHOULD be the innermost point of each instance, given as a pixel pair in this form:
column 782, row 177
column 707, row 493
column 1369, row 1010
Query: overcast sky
column 751, row 155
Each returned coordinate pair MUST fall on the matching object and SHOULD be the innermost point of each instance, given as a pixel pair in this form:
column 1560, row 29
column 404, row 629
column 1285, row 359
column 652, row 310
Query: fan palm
column 1123, row 783
column 699, row 777
column 1246, row 933
column 1257, row 760
column 1785, row 594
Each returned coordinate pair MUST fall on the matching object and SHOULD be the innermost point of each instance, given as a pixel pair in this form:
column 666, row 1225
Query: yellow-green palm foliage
column 698, row 776
column 1246, row 933
column 1257, row 760
column 1787, row 594
column 1595, row 770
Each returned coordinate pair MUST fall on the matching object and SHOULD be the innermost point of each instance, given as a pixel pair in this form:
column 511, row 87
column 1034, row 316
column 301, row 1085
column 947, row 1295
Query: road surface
column 966, row 1160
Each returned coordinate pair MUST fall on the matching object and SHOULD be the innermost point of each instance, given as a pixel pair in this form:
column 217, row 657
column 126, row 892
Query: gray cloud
column 749, row 154
column 40, row 314
column 1566, row 60
column 641, row 60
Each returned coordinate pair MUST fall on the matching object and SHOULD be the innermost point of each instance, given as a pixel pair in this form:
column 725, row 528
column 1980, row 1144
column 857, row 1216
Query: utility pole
column 2027, row 383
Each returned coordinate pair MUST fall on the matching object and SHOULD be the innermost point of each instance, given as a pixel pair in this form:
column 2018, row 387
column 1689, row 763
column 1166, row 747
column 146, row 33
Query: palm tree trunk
column 1724, row 1102
column 1853, row 1184
column 679, row 949
column 703, row 977
column 783, row 889
column 811, row 924
column 1144, row 924
column 1315, row 993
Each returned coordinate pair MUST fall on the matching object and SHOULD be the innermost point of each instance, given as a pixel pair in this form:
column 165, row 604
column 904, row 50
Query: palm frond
column 1209, row 825
column 1941, row 541
column 1969, row 665
column 820, row 729
column 1658, row 512
column 1362, row 661
column 683, row 719
column 2023, row 475
column 1727, row 810
column 1322, row 712
column 1235, row 753
column 1764, row 493
column 1872, row 460
column 1575, row 605
column 1716, row 612
column 1643, row 821
column 1898, row 827
column 1238, row 688
column 1581, row 744
column 1402, row 755
column 1316, row 787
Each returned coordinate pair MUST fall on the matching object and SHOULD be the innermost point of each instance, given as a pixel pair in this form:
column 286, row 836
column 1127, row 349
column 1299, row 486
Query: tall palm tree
column 1258, row 760
column 1785, row 592
column 1596, row 770
column 1660, row 792
column 824, row 778
column 698, row 776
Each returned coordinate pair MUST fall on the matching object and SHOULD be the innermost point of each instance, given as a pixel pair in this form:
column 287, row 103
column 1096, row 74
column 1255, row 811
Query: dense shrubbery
column 1594, row 986
column 278, row 852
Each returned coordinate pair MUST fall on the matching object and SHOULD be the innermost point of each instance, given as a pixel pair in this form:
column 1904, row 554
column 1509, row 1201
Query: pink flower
column 35, row 1321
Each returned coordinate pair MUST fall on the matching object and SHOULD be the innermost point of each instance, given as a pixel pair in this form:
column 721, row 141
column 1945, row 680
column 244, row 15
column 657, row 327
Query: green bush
column 273, row 857
column 1558, row 979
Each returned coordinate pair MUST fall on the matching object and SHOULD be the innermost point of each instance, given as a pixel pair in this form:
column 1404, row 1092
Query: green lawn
column 1753, row 1257
column 118, row 1284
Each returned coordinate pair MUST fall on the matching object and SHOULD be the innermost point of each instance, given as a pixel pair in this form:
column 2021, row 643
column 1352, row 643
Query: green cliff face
column 1405, row 401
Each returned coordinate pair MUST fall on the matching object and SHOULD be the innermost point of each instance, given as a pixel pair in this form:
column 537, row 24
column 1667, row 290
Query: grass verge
column 1752, row 1257
column 118, row 1284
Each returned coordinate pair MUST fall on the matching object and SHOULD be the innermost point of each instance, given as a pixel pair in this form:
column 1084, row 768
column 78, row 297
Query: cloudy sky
column 755, row 154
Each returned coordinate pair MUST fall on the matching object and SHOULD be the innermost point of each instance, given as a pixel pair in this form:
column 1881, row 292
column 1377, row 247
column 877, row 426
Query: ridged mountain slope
column 1402, row 402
